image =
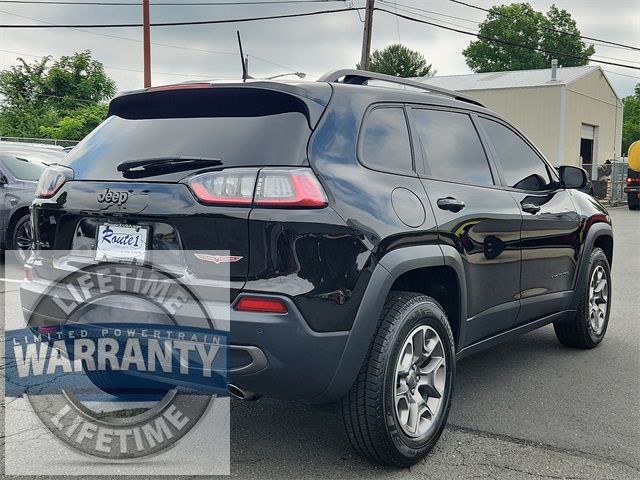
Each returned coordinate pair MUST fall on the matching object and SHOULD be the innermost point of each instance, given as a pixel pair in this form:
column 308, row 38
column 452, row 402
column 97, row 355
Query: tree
column 76, row 126
column 42, row 99
column 631, row 120
column 519, row 23
column 400, row 61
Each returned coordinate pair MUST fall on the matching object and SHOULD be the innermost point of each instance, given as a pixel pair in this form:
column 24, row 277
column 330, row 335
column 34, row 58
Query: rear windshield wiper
column 140, row 165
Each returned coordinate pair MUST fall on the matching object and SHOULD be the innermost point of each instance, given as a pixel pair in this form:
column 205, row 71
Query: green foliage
column 400, row 61
column 61, row 100
column 76, row 126
column 631, row 120
column 520, row 23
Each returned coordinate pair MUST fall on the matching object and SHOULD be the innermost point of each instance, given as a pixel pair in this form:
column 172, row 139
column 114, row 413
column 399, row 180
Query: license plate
column 121, row 242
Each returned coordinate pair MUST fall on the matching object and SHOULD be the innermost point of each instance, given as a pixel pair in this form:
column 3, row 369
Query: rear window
column 230, row 128
column 28, row 166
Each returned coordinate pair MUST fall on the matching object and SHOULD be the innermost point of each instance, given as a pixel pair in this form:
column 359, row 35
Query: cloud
column 312, row 45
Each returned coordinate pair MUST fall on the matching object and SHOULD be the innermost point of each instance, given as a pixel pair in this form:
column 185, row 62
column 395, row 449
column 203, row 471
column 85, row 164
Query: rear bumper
column 300, row 362
column 275, row 355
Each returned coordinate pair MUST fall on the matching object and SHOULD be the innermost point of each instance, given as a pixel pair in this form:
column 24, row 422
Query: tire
column 585, row 330
column 21, row 237
column 634, row 207
column 378, row 428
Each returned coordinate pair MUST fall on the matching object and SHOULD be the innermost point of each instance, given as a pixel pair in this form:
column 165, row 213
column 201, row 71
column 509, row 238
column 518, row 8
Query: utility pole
column 366, row 36
column 146, row 34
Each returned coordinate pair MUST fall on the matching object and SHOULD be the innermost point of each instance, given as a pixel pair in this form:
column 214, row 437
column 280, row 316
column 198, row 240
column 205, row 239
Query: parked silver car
column 20, row 168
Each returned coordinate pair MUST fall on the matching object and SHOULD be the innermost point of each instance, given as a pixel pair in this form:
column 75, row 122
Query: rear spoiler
column 196, row 100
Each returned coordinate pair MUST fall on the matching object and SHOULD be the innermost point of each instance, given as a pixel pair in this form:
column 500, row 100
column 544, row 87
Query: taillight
column 631, row 180
column 289, row 188
column 261, row 304
column 52, row 180
column 233, row 187
column 271, row 187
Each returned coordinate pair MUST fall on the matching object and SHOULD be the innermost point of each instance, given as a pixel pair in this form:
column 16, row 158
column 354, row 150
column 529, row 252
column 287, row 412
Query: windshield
column 28, row 166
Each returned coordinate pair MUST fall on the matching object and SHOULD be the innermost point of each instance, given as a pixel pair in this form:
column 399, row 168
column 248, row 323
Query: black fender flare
column 388, row 269
column 596, row 231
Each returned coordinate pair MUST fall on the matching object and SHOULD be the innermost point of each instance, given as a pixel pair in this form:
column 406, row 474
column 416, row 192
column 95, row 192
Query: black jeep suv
column 376, row 235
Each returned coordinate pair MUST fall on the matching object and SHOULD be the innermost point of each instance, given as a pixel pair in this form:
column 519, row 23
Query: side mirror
column 3, row 180
column 573, row 177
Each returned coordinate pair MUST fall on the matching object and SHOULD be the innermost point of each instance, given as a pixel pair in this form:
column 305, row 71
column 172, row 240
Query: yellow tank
column 634, row 156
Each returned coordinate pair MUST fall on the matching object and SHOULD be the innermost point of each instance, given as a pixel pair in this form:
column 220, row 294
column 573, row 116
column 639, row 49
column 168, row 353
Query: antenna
column 245, row 74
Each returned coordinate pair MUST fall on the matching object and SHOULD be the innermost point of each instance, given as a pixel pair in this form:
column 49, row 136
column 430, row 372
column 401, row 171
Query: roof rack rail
column 360, row 77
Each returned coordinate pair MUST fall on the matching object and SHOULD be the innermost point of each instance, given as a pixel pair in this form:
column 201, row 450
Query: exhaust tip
column 236, row 391
column 241, row 394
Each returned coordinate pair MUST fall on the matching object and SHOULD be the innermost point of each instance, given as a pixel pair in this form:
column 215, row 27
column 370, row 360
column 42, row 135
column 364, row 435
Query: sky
column 312, row 45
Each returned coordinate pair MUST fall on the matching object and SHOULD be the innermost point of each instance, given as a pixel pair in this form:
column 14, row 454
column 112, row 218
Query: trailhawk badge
column 120, row 361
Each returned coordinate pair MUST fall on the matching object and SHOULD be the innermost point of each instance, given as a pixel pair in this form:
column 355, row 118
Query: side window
column 385, row 143
column 522, row 167
column 452, row 148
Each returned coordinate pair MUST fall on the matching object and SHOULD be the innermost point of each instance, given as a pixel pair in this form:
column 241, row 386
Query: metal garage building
column 573, row 114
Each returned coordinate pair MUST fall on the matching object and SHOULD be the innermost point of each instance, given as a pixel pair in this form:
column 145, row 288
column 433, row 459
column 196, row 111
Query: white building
column 573, row 114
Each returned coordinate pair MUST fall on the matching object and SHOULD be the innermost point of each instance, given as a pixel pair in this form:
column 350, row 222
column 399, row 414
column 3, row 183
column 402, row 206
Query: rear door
column 238, row 130
column 476, row 217
column 550, row 224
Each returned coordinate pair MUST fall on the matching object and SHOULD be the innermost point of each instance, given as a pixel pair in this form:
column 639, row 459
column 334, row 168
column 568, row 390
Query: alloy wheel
column 598, row 299
column 420, row 379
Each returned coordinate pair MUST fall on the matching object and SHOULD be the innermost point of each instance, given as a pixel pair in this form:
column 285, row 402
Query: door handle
column 530, row 208
column 451, row 204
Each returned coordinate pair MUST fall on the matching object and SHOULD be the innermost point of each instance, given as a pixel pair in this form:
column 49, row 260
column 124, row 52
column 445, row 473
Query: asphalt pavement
column 527, row 409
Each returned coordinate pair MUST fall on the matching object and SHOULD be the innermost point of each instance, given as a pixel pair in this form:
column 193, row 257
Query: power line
column 477, row 23
column 410, row 10
column 109, row 67
column 390, row 4
column 405, row 10
column 504, row 42
column 547, row 28
column 622, row 74
column 178, row 24
column 163, row 4
column 179, row 47
column 69, row 99
column 395, row 4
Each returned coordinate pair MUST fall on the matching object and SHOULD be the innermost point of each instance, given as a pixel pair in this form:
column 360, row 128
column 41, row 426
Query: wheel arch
column 394, row 267
column 605, row 242
column 600, row 235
